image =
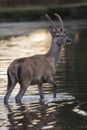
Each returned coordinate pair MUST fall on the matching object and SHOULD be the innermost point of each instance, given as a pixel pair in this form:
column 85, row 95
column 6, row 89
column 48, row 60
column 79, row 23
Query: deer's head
column 58, row 34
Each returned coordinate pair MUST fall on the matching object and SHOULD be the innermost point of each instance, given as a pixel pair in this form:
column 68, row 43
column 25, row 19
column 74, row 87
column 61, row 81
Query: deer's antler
column 60, row 19
column 52, row 23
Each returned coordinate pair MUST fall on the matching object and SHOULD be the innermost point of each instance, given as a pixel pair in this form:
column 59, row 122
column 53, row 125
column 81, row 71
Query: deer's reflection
column 31, row 116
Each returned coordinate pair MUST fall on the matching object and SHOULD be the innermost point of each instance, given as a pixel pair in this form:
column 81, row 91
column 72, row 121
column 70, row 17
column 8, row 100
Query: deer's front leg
column 52, row 81
column 54, row 90
column 40, row 88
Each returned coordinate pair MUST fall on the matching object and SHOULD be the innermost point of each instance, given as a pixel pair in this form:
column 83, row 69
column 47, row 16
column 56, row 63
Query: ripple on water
column 61, row 113
column 36, row 98
column 47, row 127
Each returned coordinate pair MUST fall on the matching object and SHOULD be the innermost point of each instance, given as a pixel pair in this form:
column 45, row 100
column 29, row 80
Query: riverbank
column 33, row 13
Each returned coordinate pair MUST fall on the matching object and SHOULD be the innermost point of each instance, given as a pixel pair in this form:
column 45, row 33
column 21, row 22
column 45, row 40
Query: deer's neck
column 54, row 52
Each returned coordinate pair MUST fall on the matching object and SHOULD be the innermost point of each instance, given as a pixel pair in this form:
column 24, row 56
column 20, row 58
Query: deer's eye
column 62, row 36
column 57, row 35
column 65, row 32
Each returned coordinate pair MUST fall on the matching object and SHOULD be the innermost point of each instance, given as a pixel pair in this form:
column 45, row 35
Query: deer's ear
column 51, row 30
column 61, row 30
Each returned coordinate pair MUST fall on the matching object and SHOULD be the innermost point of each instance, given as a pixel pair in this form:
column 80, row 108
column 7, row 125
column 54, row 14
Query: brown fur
column 36, row 69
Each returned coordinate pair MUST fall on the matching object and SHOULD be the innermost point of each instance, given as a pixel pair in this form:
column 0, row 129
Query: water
column 69, row 110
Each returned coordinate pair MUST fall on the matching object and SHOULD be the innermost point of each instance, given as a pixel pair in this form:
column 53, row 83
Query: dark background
column 13, row 3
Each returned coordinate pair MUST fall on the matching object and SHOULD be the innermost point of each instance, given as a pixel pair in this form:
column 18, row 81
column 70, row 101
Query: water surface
column 69, row 110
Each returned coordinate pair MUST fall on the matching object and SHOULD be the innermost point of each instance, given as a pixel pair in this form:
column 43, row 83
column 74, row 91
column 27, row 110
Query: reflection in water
column 40, row 115
column 69, row 110
column 33, row 116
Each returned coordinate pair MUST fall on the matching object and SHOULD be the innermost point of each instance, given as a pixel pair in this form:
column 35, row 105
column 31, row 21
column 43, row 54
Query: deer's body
column 36, row 69
column 29, row 70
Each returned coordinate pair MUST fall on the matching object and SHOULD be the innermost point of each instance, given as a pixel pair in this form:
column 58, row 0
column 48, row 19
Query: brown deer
column 37, row 69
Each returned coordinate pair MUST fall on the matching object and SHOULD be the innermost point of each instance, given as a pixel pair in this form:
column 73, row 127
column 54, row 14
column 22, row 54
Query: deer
column 40, row 68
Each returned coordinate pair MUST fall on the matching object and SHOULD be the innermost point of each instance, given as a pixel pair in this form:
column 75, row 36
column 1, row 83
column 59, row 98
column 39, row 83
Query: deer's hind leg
column 24, row 83
column 10, row 86
column 21, row 93
column 25, row 77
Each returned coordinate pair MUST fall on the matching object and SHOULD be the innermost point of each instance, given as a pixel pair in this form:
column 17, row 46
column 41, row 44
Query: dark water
column 69, row 110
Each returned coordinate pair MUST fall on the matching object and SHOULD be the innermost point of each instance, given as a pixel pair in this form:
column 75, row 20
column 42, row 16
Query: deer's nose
column 68, row 41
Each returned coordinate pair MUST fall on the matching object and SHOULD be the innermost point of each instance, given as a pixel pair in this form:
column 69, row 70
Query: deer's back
column 35, row 68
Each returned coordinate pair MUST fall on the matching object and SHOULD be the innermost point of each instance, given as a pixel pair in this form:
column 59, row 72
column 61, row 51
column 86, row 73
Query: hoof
column 17, row 100
column 5, row 101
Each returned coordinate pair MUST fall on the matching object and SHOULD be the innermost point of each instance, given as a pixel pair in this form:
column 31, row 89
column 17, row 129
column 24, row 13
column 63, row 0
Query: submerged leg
column 40, row 88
